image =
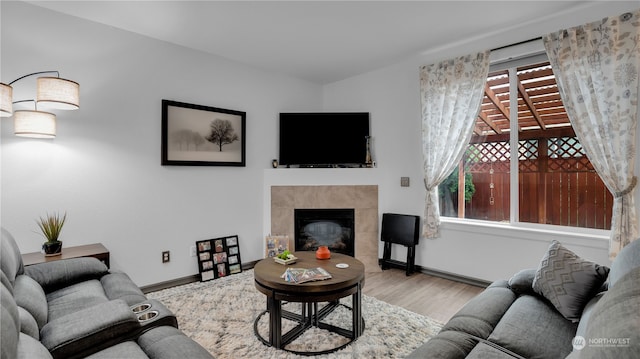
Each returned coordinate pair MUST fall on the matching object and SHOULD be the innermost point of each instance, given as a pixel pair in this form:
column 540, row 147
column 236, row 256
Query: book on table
column 302, row 275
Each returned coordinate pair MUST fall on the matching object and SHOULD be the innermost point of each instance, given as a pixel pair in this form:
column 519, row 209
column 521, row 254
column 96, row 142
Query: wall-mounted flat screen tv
column 323, row 139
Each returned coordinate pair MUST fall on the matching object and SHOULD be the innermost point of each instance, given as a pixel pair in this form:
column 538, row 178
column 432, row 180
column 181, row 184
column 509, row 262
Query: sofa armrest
column 58, row 274
column 500, row 283
column 89, row 330
column 169, row 342
column 118, row 285
column 522, row 282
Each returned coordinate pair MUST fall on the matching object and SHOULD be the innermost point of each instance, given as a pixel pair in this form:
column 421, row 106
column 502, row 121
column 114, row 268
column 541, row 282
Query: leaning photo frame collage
column 218, row 257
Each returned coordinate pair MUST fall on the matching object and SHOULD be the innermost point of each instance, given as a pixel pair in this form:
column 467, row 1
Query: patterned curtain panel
column 597, row 66
column 451, row 93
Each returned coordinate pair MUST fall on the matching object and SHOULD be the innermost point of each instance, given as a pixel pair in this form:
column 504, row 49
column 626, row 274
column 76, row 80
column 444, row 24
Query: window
column 547, row 179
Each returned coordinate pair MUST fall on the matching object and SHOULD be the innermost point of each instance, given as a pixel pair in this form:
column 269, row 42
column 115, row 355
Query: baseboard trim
column 391, row 263
column 184, row 280
column 438, row 273
column 170, row 283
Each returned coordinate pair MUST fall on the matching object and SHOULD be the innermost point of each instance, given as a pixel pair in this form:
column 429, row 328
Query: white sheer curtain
column 451, row 93
column 597, row 66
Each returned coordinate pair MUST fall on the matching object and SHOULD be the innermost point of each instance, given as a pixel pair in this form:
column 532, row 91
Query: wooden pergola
column 540, row 107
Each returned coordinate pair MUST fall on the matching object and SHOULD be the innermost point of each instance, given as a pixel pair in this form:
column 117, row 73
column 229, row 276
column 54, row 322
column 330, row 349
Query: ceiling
column 320, row 41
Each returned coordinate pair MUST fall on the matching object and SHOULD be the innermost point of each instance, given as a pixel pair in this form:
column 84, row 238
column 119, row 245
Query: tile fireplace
column 362, row 199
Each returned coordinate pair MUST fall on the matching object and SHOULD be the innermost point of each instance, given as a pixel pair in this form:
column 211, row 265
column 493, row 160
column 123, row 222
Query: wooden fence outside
column 557, row 185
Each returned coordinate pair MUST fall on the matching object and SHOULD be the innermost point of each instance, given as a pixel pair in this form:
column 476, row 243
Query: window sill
column 587, row 237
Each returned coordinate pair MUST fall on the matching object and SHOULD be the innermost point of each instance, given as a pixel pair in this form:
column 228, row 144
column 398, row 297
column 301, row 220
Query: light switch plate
column 404, row 181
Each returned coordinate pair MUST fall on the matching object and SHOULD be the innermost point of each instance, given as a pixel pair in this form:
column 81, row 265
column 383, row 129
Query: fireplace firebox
column 333, row 228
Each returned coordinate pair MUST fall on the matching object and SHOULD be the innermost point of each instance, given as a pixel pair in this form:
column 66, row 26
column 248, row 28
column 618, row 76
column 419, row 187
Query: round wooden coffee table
column 344, row 282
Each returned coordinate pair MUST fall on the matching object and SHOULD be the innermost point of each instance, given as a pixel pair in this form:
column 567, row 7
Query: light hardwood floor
column 435, row 297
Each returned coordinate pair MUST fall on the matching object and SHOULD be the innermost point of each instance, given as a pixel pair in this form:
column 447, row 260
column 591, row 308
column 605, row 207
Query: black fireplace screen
column 334, row 228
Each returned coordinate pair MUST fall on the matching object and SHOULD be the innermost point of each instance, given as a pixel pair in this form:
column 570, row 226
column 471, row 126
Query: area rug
column 220, row 314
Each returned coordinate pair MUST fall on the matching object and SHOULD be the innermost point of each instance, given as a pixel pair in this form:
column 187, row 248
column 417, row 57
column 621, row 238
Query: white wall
column 104, row 166
column 482, row 250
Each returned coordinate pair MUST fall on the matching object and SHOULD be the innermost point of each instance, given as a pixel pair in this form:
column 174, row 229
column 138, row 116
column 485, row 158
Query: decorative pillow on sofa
column 567, row 280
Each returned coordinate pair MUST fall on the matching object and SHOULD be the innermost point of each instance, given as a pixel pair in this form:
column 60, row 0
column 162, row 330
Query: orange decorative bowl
column 323, row 252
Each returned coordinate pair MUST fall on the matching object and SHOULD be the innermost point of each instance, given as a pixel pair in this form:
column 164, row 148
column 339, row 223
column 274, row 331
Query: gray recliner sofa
column 77, row 308
column 566, row 308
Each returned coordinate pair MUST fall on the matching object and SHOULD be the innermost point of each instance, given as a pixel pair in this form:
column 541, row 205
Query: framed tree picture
column 218, row 257
column 195, row 135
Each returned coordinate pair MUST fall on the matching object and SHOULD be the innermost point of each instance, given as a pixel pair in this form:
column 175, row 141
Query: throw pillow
column 567, row 280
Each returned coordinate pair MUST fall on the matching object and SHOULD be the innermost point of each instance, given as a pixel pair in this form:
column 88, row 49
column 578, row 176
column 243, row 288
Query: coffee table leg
column 357, row 312
column 316, row 320
column 275, row 322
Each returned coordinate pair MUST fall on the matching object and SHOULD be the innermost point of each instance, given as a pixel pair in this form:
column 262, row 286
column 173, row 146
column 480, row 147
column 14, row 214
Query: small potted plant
column 51, row 226
column 285, row 258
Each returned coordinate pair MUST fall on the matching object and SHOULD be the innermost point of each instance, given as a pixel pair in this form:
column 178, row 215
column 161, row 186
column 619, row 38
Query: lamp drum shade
column 6, row 100
column 35, row 124
column 57, row 93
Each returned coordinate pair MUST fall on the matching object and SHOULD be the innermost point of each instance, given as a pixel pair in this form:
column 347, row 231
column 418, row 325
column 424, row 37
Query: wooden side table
column 96, row 250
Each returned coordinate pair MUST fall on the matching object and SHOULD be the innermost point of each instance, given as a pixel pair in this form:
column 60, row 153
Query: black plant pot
column 52, row 248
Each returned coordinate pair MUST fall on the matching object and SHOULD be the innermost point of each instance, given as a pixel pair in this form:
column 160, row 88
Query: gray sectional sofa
column 566, row 308
column 77, row 308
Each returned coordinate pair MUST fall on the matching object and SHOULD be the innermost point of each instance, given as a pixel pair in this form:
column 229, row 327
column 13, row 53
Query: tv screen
column 323, row 139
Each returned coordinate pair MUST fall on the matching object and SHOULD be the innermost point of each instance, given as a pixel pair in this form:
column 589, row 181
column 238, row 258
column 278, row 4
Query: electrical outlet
column 192, row 251
column 165, row 257
column 404, row 181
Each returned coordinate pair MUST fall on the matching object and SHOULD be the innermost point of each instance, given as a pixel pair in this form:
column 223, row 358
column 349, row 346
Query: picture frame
column 207, row 275
column 218, row 245
column 276, row 244
column 218, row 257
column 196, row 135
column 235, row 269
